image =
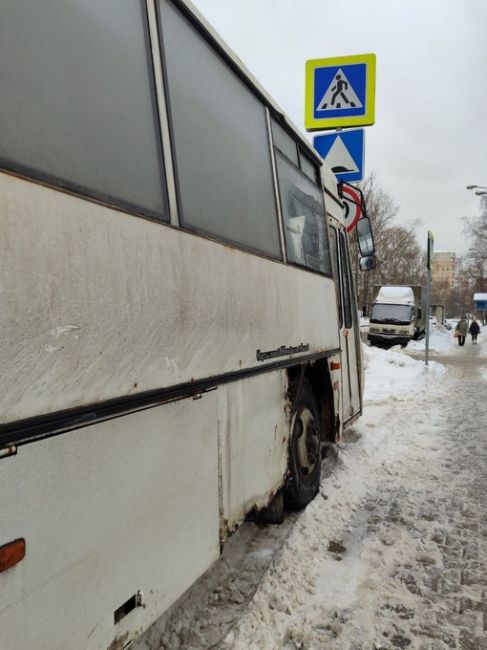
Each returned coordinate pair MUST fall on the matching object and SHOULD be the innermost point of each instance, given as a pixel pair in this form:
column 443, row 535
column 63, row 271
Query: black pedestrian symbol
column 339, row 94
column 340, row 87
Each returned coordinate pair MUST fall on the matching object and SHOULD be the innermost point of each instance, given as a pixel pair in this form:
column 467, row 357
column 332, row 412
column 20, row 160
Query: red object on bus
column 353, row 207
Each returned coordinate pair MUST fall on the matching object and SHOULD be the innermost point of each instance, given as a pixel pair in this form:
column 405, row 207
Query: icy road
column 392, row 553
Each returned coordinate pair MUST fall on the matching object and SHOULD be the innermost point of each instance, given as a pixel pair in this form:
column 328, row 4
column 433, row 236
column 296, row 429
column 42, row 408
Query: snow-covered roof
column 395, row 295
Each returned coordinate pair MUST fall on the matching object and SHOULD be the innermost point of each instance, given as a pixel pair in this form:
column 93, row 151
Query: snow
column 482, row 341
column 396, row 295
column 393, row 373
column 441, row 340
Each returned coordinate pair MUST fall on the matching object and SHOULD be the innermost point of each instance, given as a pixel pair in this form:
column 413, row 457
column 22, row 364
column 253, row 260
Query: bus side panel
column 98, row 304
column 130, row 504
column 253, row 435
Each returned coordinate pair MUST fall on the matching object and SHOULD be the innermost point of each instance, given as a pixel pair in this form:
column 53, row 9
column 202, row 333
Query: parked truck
column 398, row 315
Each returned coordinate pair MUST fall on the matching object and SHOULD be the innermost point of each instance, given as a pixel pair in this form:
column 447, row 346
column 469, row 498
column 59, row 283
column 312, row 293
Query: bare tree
column 440, row 291
column 472, row 276
column 475, row 263
column 399, row 256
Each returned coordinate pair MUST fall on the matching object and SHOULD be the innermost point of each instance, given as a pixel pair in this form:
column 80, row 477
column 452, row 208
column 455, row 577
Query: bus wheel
column 305, row 451
column 273, row 513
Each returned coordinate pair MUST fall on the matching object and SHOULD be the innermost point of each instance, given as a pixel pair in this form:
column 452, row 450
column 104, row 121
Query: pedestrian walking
column 474, row 330
column 462, row 330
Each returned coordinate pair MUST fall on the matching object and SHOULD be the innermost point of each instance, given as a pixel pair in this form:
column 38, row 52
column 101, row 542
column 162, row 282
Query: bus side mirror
column 364, row 237
column 368, row 263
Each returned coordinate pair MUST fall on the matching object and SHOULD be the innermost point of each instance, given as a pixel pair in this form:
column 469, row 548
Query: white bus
column 179, row 332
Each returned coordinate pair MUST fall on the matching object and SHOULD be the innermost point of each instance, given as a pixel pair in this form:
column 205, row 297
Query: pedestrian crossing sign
column 340, row 92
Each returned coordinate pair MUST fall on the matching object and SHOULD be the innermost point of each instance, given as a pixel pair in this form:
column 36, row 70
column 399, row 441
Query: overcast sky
column 430, row 136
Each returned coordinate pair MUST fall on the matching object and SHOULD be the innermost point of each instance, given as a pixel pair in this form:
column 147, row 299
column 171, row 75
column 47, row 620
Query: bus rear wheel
column 304, row 450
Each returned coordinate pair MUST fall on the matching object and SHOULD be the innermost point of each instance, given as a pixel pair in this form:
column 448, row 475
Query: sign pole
column 428, row 296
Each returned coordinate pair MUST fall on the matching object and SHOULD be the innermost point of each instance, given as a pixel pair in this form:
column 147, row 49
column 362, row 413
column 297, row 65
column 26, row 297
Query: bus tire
column 273, row 513
column 304, row 450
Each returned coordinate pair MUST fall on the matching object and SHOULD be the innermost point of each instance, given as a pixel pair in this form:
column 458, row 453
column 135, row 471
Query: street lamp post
column 481, row 191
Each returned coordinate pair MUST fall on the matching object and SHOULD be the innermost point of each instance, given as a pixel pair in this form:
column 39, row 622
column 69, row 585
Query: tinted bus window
column 77, row 103
column 336, row 272
column 284, row 143
column 304, row 218
column 309, row 168
column 344, row 273
column 221, row 142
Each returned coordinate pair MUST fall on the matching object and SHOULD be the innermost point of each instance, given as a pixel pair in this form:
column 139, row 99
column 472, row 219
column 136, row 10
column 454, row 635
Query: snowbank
column 441, row 340
column 392, row 373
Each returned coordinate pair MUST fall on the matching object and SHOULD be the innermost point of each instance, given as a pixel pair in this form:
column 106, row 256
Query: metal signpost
column 428, row 295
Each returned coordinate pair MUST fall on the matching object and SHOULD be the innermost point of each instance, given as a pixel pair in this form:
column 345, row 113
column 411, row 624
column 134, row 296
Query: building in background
column 444, row 268
column 447, row 289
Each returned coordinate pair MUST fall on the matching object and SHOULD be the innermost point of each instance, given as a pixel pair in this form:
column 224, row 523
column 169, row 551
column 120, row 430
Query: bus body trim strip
column 53, row 424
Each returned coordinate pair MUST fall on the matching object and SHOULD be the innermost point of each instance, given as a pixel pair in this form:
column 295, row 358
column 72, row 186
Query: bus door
column 349, row 331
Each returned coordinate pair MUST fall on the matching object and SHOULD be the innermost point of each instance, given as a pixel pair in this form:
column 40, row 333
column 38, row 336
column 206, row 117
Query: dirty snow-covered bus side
column 175, row 345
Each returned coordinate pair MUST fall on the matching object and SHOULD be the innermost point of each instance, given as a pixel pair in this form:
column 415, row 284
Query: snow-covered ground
column 392, row 373
column 390, row 553
column 483, row 350
column 440, row 340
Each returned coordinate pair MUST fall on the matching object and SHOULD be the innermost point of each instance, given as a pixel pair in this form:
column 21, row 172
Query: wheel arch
column 318, row 375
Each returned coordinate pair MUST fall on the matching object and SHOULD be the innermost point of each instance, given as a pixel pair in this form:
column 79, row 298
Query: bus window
column 303, row 214
column 284, row 143
column 344, row 275
column 308, row 168
column 77, row 105
column 336, row 272
column 287, row 146
column 221, row 143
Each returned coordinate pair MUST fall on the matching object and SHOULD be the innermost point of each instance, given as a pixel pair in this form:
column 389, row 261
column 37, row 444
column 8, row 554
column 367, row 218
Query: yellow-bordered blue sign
column 340, row 92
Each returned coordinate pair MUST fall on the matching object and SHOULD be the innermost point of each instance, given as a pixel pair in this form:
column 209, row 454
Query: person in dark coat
column 474, row 330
